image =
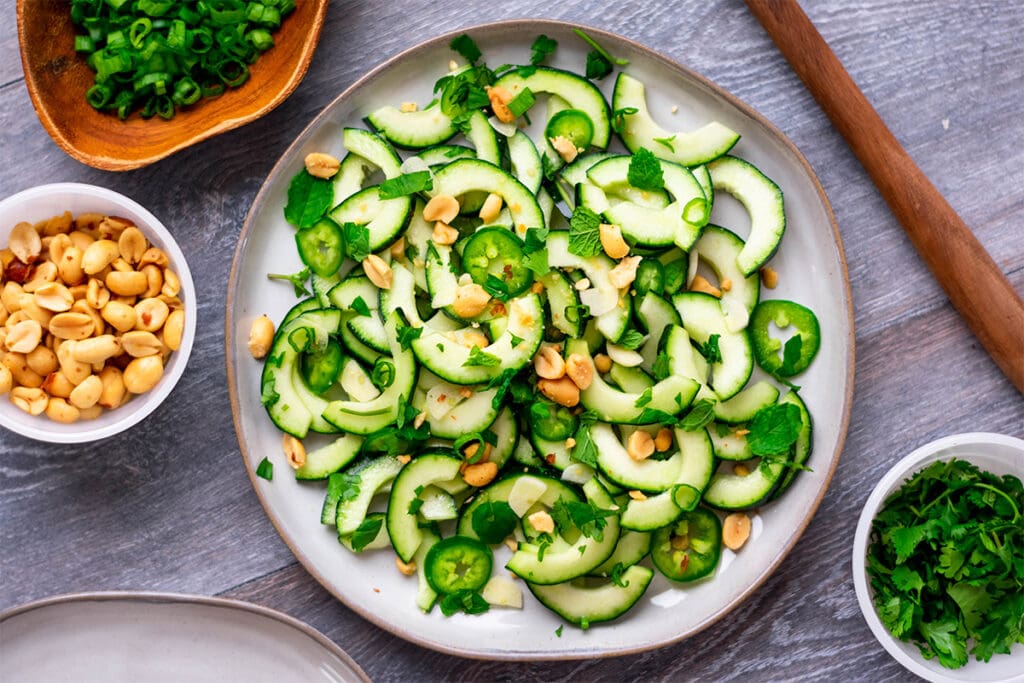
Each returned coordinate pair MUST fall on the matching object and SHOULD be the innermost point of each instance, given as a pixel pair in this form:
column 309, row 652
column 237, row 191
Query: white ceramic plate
column 812, row 271
column 991, row 452
column 161, row 637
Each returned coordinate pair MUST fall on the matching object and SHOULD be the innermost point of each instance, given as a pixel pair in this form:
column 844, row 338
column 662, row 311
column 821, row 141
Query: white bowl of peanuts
column 97, row 313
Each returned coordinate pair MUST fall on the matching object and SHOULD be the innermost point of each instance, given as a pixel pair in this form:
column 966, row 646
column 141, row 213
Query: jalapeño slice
column 458, row 563
column 493, row 257
column 650, row 277
column 321, row 247
column 573, row 125
column 689, row 548
column 320, row 369
column 551, row 421
column 784, row 314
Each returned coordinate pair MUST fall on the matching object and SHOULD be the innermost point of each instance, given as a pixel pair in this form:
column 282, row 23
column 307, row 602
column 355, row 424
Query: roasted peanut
column 57, row 247
column 663, row 441
column 58, row 224
column 121, row 265
column 154, row 256
column 96, row 294
column 71, row 326
column 142, row 374
column 480, row 474
column 87, row 393
column 24, row 241
column 444, row 235
column 150, row 315
column 320, row 165
column 6, row 379
column 623, row 275
column 377, row 271
column 23, row 375
column 562, row 391
column 120, row 316
column 612, row 241
column 132, row 283
column 769, row 277
column 99, row 255
column 82, row 240
column 131, row 245
column 261, row 334
column 701, row 284
column 96, row 349
column 10, row 296
column 76, row 371
column 154, row 280
column 172, row 285
column 580, row 370
column 499, row 98
column 42, row 360
column 59, row 410
column 406, row 568
column 548, row 363
column 90, row 413
column 294, row 451
column 57, row 384
column 43, row 274
column 735, row 530
column 81, row 306
column 30, row 399
column 640, row 445
column 491, row 208
column 139, row 343
column 24, row 336
column 470, row 300
column 442, row 207
column 114, row 391
column 174, row 329
column 542, row 522
column 565, row 148
column 54, row 297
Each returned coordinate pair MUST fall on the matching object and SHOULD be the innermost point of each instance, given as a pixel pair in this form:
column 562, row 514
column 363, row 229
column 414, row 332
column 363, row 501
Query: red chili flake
column 550, row 458
column 684, row 563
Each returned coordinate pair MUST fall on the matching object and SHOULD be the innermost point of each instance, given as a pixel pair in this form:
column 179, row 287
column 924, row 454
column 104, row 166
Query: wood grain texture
column 973, row 281
column 169, row 507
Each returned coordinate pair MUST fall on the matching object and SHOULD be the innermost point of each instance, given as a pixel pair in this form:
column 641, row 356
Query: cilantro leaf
column 584, row 232
column 651, row 416
column 662, row 367
column 791, row 355
column 542, row 48
column 644, row 399
column 496, row 287
column 587, row 517
column 617, row 571
column 701, row 414
column 366, row 532
column 479, row 357
column 268, row 392
column 466, row 47
column 585, row 451
column 309, row 198
column 406, row 184
column 645, row 171
column 466, row 601
column 298, row 280
column 598, row 66
column 357, row 241
column 407, row 335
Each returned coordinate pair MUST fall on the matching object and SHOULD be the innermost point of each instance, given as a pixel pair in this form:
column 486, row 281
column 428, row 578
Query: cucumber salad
column 532, row 354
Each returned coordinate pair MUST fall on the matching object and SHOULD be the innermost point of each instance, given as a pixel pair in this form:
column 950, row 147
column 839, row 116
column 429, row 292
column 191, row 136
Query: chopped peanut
column 377, row 271
column 622, row 275
column 407, row 568
column 637, row 495
column 603, row 363
column 725, row 284
column 542, row 522
column 580, row 370
column 769, row 277
column 405, row 459
column 408, row 107
column 735, row 530
column 663, row 441
column 562, row 391
column 470, row 300
column 499, row 98
column 322, row 165
column 612, row 242
column 565, row 148
column 640, row 445
column 442, row 207
column 480, row 474
column 548, row 363
column 491, row 208
column 740, row 470
column 444, row 235
column 701, row 284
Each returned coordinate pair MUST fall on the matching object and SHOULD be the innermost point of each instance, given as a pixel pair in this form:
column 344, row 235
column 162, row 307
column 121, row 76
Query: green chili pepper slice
column 552, row 422
column 689, row 548
column 573, row 125
column 650, row 277
column 458, row 563
column 498, row 253
column 321, row 247
column 799, row 349
column 321, row 368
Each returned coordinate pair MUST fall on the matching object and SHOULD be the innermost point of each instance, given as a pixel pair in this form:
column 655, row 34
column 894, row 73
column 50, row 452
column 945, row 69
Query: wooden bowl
column 57, row 79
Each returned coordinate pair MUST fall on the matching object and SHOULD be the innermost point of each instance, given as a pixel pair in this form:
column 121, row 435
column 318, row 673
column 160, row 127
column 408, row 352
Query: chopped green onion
column 265, row 469
column 522, row 102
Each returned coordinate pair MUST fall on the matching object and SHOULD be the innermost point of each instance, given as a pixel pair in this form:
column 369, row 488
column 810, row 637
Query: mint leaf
column 309, row 198
column 542, row 48
column 406, row 184
column 466, row 47
column 357, row 241
column 585, row 451
column 644, row 399
column 774, row 429
column 584, row 233
column 710, row 350
column 478, row 357
column 701, row 414
column 645, row 171
column 632, row 340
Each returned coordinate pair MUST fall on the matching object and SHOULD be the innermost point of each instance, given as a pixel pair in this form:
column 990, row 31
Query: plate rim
column 680, row 70
column 169, row 598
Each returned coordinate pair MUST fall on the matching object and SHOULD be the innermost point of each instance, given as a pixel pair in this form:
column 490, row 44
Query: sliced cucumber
column 646, row 475
column 720, row 249
column 547, row 492
column 464, row 176
column 384, row 218
column 326, row 460
column 413, row 129
column 688, row 148
column 525, row 161
column 420, row 473
column 563, row 303
column 366, row 479
column 702, row 317
column 584, row 605
column 577, row 92
column 801, row 449
column 374, row 149
column 763, row 201
column 744, row 405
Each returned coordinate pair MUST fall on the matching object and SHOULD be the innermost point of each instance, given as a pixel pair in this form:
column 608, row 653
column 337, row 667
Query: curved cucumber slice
column 645, row 475
column 578, row 92
column 763, row 201
column 368, row 477
column 403, row 521
column 803, row 446
column 473, row 175
column 525, row 161
column 327, row 460
column 731, row 491
column 640, row 130
column 384, row 218
column 374, row 149
column 744, row 405
column 413, row 129
column 702, row 317
column 585, row 605
column 720, row 249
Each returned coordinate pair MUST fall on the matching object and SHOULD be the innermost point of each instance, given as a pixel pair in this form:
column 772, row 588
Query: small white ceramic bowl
column 45, row 201
column 991, row 452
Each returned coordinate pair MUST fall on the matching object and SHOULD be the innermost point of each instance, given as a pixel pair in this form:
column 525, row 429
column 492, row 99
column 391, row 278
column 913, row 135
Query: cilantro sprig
column 946, row 563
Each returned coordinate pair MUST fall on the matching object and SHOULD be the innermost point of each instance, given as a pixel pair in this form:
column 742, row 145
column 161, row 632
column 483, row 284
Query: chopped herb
column 406, row 184
column 466, row 601
column 584, row 232
column 667, row 142
column 496, row 287
column 587, row 517
column 585, row 451
column 407, row 335
column 265, row 469
column 558, row 631
column 619, row 118
column 598, row 66
column 416, row 503
column 594, row 44
column 309, row 198
column 522, row 102
column 366, row 532
column 298, row 280
column 360, row 307
column 662, row 366
column 723, row 430
column 651, row 416
column 631, row 340
column 535, row 240
column 791, row 355
column 343, row 486
column 644, row 399
column 537, row 261
column 516, row 341
column 544, row 542
column 617, row 571
column 945, row 559
column 710, row 350
column 701, row 414
column 466, row 47
column 268, row 392
column 542, row 48
column 645, row 171
column 503, row 383
column 480, row 358
column 774, row 429
column 357, row 241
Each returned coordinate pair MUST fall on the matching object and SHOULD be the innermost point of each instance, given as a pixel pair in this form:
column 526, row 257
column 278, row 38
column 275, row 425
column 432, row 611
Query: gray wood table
column 168, row 506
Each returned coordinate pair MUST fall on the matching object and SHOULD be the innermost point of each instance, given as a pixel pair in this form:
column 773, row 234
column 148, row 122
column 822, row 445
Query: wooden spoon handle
column 974, row 283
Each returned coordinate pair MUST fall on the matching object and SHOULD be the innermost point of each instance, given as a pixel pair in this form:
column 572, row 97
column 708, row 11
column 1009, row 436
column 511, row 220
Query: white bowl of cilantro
column 938, row 559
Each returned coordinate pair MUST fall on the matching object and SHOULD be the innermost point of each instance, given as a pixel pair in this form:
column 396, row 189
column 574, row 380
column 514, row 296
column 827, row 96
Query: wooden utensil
column 973, row 282
column 57, row 79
